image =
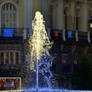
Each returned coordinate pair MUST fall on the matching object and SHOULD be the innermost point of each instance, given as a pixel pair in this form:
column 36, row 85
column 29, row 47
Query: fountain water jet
column 41, row 60
column 40, row 43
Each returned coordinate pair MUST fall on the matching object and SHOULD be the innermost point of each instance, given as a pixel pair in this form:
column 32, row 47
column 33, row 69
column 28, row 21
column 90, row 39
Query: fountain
column 41, row 60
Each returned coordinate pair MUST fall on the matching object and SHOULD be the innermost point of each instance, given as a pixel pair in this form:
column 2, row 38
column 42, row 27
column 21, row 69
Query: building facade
column 15, row 24
column 68, row 23
column 11, row 43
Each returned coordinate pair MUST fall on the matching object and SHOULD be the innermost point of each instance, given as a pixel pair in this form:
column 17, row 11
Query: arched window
column 8, row 15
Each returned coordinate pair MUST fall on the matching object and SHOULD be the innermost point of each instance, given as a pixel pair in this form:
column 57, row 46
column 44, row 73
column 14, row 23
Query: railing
column 89, row 1
column 72, row 36
column 59, row 35
column 13, row 35
column 85, row 0
column 13, row 32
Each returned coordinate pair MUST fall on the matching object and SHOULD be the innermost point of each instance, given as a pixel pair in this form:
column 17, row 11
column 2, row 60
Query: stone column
column 37, row 6
column 60, row 14
column 44, row 9
column 72, row 21
column 21, row 10
column 28, row 14
column 55, row 17
column 18, row 16
column 84, row 17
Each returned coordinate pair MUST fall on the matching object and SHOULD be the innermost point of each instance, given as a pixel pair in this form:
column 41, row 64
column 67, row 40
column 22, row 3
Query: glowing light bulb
column 90, row 25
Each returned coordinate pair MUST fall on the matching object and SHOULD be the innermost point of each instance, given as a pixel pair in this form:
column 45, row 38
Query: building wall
column 72, row 5
column 81, row 8
column 10, row 45
column 58, row 7
column 54, row 15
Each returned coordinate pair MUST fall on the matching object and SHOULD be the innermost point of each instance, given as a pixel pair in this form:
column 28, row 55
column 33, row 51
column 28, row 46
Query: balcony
column 72, row 37
column 89, row 1
column 11, row 35
column 10, row 70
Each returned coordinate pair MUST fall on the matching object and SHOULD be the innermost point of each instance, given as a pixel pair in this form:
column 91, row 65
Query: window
column 1, row 57
column 17, row 57
column 8, row 15
column 9, row 57
column 64, row 58
column 66, row 66
column 6, row 57
column 77, row 18
column 67, row 19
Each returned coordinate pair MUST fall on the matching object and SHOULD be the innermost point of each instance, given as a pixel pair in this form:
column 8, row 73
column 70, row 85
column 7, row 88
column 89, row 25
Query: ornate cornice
column 16, row 1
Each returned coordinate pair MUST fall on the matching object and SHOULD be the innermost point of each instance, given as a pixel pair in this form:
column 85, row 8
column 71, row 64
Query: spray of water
column 41, row 60
column 40, row 43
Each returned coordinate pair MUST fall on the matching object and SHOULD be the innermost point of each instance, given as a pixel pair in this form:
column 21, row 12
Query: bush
column 61, row 79
column 83, row 77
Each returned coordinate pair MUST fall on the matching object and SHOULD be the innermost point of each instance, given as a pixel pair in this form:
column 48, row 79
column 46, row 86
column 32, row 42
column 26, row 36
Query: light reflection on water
column 54, row 90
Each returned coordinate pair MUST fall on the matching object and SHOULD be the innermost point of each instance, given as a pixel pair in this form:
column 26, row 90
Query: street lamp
column 90, row 23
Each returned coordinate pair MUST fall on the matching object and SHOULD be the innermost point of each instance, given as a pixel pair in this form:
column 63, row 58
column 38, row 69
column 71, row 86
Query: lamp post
column 90, row 25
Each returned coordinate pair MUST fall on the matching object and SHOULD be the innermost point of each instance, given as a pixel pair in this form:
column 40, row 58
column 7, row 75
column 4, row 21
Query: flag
column 69, row 34
column 8, row 32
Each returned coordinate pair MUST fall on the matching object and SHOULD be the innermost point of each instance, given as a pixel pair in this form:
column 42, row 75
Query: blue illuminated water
column 54, row 90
